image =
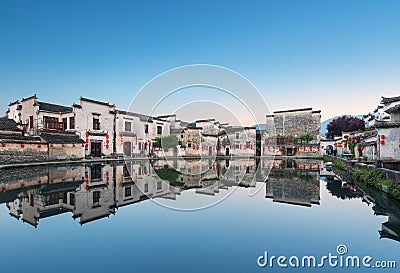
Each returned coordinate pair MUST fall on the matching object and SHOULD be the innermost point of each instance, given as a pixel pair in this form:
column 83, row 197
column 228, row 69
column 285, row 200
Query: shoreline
column 122, row 159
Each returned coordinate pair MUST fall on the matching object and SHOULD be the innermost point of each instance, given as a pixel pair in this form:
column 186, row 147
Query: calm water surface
column 121, row 217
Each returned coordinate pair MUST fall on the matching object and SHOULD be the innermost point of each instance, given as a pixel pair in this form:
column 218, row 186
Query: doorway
column 227, row 151
column 95, row 148
column 127, row 148
column 210, row 150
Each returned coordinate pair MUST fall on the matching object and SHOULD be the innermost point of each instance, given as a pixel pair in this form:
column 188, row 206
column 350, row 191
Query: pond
column 193, row 216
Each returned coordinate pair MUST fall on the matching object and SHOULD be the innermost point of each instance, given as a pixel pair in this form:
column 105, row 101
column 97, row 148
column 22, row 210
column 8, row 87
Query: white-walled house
column 238, row 141
column 14, row 111
column 39, row 116
column 135, row 133
column 94, row 123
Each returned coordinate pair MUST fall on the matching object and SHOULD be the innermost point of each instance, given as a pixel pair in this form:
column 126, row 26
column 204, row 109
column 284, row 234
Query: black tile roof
column 390, row 100
column 17, row 136
column 393, row 109
column 54, row 108
column 387, row 124
column 8, row 125
column 142, row 117
column 61, row 138
column 97, row 102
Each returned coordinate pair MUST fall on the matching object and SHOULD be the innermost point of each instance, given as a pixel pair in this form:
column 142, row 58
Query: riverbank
column 382, row 179
column 121, row 159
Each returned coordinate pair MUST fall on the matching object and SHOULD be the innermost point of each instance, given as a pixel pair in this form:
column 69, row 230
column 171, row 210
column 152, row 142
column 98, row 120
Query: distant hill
column 325, row 123
column 260, row 126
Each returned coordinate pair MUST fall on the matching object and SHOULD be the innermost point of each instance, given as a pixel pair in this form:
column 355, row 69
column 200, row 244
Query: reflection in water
column 94, row 191
column 294, row 182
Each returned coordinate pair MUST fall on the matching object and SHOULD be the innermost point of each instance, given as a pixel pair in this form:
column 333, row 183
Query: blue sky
column 337, row 56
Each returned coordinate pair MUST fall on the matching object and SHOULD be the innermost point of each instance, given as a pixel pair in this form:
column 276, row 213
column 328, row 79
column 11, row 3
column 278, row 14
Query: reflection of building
column 95, row 198
column 294, row 182
column 136, row 182
column 49, row 193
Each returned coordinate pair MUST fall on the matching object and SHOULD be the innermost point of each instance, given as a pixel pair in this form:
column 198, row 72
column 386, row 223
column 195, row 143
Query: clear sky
column 337, row 56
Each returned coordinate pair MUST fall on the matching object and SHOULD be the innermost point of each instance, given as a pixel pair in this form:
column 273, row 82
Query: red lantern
column 63, row 145
column 22, row 145
column 382, row 142
column 3, row 144
column 39, row 146
column 382, row 136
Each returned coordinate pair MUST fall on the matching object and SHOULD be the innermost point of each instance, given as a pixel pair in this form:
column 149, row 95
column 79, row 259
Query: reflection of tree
column 347, row 192
column 168, row 174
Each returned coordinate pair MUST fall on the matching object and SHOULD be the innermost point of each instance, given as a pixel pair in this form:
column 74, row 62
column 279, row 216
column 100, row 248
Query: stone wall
column 66, row 151
column 296, row 151
column 22, row 152
column 297, row 122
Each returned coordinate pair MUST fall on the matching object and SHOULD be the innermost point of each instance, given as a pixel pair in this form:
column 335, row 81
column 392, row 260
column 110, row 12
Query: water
column 99, row 218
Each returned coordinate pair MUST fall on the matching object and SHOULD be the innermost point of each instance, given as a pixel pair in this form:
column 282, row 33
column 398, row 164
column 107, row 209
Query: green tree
column 166, row 142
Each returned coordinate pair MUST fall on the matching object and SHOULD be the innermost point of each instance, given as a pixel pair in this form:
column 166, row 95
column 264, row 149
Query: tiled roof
column 61, row 138
column 8, row 125
column 393, row 109
column 387, row 124
column 53, row 108
column 18, row 137
column 390, row 100
column 97, row 102
column 142, row 117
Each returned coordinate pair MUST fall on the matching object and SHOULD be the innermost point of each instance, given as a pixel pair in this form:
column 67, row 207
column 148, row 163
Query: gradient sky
column 337, row 56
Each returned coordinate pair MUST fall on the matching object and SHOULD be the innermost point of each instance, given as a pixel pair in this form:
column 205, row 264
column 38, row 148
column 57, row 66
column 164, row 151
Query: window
column 189, row 145
column 95, row 173
column 146, row 129
column 247, row 144
column 146, row 187
column 50, row 122
column 128, row 126
column 72, row 123
column 237, row 146
column 72, row 199
column 64, row 124
column 159, row 185
column 159, row 130
column 128, row 191
column 32, row 200
column 126, row 170
column 96, row 124
column 31, row 122
column 96, row 197
column 237, row 135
